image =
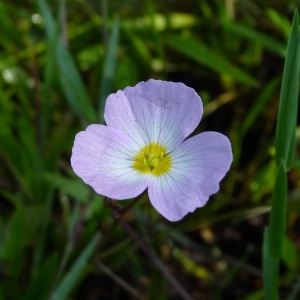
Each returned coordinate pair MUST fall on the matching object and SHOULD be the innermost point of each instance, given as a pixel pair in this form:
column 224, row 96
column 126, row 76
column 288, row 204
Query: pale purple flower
column 144, row 146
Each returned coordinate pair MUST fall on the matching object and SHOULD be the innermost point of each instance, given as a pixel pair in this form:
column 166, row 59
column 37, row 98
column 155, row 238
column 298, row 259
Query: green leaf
column 288, row 106
column 39, row 286
column 50, row 72
column 50, row 24
column 256, row 37
column 71, row 278
column 16, row 160
column 278, row 212
column 9, row 35
column 109, row 68
column 68, row 73
column 72, row 85
column 280, row 21
column 16, row 242
column 70, row 186
column 258, row 106
column 290, row 254
column 270, row 269
column 205, row 56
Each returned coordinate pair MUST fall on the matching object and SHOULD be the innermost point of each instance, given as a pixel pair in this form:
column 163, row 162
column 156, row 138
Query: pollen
column 154, row 159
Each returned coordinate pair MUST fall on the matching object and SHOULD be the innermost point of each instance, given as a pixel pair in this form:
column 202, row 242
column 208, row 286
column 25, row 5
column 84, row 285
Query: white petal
column 103, row 158
column 198, row 165
column 155, row 111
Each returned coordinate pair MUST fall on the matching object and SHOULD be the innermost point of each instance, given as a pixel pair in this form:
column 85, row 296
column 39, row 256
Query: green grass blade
column 16, row 242
column 278, row 212
column 289, row 254
column 50, row 24
column 50, row 65
column 256, row 37
column 68, row 73
column 270, row 270
column 258, row 106
column 72, row 85
column 281, row 22
column 72, row 277
column 288, row 107
column 203, row 55
column 49, row 75
column 16, row 161
column 39, row 286
column 109, row 68
column 9, row 34
column 69, row 186
column 285, row 148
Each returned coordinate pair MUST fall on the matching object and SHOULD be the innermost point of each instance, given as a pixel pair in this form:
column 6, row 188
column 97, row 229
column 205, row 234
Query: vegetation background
column 58, row 62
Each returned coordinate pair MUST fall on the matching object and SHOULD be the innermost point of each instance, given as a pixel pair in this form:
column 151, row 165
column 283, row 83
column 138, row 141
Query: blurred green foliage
column 58, row 62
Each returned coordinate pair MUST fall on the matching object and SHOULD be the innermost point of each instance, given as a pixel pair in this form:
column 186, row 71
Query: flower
column 144, row 146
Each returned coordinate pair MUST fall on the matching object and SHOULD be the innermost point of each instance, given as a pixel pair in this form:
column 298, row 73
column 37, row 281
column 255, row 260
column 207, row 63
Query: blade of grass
column 258, row 106
column 9, row 34
column 109, row 68
column 256, row 111
column 16, row 243
column 72, row 85
column 278, row 212
column 289, row 254
column 270, row 270
column 39, row 286
column 69, row 246
column 203, row 55
column 288, row 106
column 68, row 73
column 190, row 266
column 153, row 30
column 16, row 161
column 72, row 277
column 50, row 72
column 233, row 272
column 50, row 24
column 281, row 22
column 285, row 149
column 70, row 186
column 256, row 37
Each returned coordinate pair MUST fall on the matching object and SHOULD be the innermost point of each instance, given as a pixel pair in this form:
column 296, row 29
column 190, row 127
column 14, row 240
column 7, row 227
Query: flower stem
column 125, row 285
column 155, row 259
column 117, row 210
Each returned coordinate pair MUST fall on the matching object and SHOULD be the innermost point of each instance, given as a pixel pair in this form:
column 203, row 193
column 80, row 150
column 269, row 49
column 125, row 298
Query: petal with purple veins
column 198, row 165
column 155, row 111
column 103, row 158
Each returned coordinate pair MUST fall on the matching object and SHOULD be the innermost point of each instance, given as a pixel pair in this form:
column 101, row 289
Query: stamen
column 153, row 159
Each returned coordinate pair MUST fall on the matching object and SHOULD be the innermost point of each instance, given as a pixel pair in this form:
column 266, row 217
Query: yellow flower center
column 152, row 159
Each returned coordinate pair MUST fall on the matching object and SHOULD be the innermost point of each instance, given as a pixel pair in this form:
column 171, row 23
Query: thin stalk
column 120, row 281
column 155, row 259
column 118, row 211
